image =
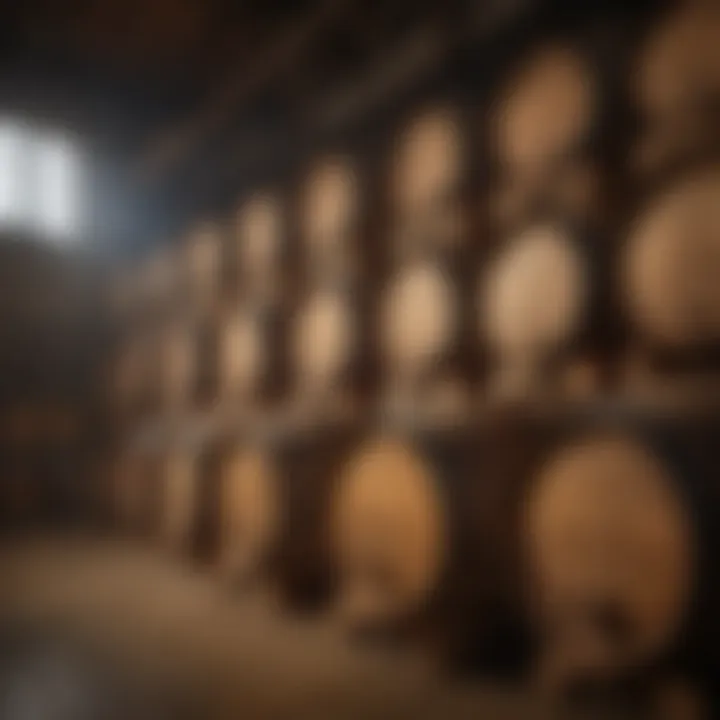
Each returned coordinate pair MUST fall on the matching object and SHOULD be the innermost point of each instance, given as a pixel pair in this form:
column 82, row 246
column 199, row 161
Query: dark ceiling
column 186, row 93
column 179, row 98
column 124, row 68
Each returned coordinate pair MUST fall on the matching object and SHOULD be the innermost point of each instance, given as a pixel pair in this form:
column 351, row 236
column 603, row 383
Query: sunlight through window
column 40, row 183
column 58, row 184
column 14, row 200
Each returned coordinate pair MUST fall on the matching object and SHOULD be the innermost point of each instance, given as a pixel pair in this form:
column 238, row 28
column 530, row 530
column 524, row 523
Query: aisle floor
column 180, row 640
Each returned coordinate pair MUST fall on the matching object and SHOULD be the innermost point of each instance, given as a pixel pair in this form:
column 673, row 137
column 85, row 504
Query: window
column 14, row 200
column 40, row 182
column 58, row 202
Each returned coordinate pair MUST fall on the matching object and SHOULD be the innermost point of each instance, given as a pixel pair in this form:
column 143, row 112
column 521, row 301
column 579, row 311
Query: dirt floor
column 162, row 639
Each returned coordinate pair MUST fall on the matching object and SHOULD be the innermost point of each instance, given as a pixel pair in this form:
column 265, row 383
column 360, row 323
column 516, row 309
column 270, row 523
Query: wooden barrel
column 204, row 255
column 426, row 337
column 429, row 169
column 242, row 355
column 249, row 513
column 179, row 488
column 391, row 489
column 206, row 389
column 308, row 461
column 199, row 364
column 260, row 248
column 676, row 84
column 541, row 133
column 232, row 360
column 619, row 539
column 546, row 313
column 669, row 279
column 326, row 351
column 476, row 537
column 330, row 220
column 178, row 366
column 190, row 374
column 190, row 525
column 274, row 510
column 250, row 362
column 420, row 537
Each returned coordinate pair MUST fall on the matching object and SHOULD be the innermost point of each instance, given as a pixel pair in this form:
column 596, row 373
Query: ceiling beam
column 386, row 76
column 175, row 143
column 406, row 61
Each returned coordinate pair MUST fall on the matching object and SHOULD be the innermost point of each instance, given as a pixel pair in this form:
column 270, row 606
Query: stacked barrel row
column 422, row 403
